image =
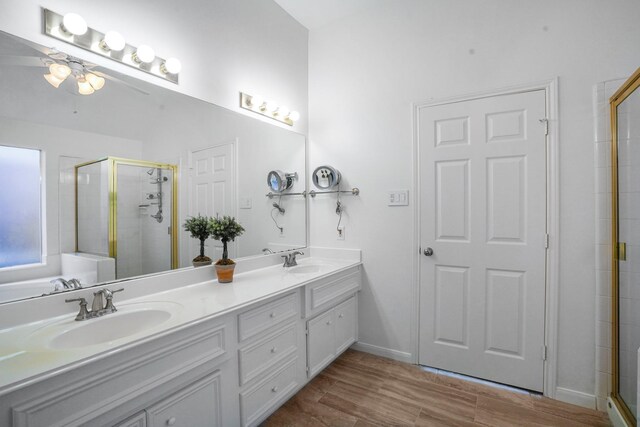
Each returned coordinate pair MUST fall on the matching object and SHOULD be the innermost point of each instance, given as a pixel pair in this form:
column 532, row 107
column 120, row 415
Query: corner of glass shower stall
column 127, row 210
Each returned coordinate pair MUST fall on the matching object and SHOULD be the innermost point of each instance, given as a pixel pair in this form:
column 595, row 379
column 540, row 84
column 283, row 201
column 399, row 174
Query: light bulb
column 257, row 101
column 84, row 88
column 96, row 82
column 144, row 54
column 53, row 80
column 270, row 106
column 282, row 111
column 294, row 116
column 60, row 71
column 74, row 24
column 113, row 40
column 171, row 66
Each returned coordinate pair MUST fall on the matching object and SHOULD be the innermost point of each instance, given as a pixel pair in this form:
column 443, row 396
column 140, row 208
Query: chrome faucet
column 98, row 306
column 60, row 284
column 290, row 259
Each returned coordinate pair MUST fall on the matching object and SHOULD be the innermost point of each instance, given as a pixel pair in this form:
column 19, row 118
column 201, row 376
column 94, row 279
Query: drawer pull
column 171, row 421
column 340, row 316
column 274, row 349
column 274, row 388
column 328, row 322
column 272, row 315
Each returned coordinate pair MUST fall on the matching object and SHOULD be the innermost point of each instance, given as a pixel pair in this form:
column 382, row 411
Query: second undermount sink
column 128, row 320
column 310, row 267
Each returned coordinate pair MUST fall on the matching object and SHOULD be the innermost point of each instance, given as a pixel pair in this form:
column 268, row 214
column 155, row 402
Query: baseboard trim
column 576, row 397
column 400, row 356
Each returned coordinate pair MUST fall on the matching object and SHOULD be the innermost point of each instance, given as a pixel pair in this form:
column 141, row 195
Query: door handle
column 428, row 252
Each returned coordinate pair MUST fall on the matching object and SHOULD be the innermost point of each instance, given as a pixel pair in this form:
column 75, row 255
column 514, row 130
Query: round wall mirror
column 279, row 181
column 326, row 177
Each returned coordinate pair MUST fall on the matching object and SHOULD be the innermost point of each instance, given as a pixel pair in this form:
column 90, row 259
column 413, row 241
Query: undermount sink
column 309, row 268
column 128, row 320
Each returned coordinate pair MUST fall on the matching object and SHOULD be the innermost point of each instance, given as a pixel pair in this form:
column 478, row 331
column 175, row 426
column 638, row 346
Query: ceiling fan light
column 53, row 80
column 171, row 66
column 60, row 71
column 74, row 24
column 95, row 81
column 144, row 54
column 84, row 88
column 113, row 41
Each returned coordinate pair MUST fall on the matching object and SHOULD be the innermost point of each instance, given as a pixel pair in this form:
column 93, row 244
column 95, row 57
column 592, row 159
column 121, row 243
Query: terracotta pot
column 225, row 273
column 201, row 263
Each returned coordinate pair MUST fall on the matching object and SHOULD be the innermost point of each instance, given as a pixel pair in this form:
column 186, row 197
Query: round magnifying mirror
column 325, row 177
column 278, row 181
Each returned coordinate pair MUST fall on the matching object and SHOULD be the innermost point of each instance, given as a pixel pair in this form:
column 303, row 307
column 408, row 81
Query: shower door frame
column 627, row 88
column 112, row 167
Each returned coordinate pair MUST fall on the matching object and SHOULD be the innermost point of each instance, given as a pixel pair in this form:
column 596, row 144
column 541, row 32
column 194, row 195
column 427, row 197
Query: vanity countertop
column 26, row 356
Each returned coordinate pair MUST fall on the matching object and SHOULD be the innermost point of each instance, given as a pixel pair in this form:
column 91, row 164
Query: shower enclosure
column 625, row 127
column 127, row 210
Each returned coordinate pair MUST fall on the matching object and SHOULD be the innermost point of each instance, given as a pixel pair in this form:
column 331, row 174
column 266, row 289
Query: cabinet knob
column 274, row 388
column 274, row 349
column 272, row 315
column 171, row 421
column 340, row 316
column 328, row 322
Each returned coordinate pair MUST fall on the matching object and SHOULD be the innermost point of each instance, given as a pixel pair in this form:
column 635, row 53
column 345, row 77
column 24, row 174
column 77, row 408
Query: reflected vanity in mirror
column 625, row 338
column 97, row 187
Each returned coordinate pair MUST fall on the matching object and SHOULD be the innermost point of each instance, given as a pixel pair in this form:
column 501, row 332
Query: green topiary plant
column 199, row 227
column 225, row 229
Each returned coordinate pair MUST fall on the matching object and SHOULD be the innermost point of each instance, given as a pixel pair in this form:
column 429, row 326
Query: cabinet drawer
column 324, row 294
column 138, row 420
column 260, row 319
column 256, row 358
column 256, row 401
column 196, row 405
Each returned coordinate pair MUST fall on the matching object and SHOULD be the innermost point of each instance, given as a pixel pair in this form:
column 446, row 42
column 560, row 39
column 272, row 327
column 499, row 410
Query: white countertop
column 26, row 358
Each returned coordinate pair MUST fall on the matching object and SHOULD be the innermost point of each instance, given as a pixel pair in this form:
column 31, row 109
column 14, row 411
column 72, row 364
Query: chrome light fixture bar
column 268, row 109
column 72, row 29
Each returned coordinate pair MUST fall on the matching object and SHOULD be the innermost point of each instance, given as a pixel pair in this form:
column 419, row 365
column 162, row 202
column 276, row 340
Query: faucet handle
column 109, row 295
column 83, row 313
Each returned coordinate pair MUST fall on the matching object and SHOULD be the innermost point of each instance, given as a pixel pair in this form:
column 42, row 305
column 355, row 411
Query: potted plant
column 225, row 229
column 199, row 227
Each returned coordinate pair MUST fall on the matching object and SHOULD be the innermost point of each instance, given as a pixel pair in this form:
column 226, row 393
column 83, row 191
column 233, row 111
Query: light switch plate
column 398, row 198
column 245, row 203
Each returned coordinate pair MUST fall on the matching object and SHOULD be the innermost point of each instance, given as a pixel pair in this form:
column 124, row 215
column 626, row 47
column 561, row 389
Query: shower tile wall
column 128, row 258
column 629, row 201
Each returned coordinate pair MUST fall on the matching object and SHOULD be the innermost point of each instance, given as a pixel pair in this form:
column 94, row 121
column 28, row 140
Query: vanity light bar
column 268, row 109
column 109, row 45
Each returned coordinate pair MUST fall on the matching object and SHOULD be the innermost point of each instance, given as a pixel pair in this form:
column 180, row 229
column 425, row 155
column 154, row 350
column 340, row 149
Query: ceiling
column 318, row 13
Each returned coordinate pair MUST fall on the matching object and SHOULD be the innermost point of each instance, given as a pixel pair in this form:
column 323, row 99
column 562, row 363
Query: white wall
column 224, row 46
column 367, row 70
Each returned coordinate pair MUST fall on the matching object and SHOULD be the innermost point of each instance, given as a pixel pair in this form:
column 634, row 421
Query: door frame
column 552, row 272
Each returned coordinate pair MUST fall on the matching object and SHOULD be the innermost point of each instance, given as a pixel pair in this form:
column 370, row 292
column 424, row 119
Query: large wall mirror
column 122, row 168
column 625, row 125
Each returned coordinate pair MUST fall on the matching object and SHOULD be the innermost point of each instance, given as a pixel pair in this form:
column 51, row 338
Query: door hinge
column 306, row 332
column 307, row 368
column 546, row 241
column 545, row 122
column 544, row 352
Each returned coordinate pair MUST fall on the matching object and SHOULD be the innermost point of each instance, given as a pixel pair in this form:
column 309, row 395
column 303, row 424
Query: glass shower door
column 625, row 108
column 144, row 219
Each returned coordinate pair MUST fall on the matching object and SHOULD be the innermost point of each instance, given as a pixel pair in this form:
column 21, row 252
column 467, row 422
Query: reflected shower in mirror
column 172, row 156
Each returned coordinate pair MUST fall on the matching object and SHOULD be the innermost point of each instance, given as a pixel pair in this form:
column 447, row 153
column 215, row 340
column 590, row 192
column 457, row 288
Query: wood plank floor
column 359, row 389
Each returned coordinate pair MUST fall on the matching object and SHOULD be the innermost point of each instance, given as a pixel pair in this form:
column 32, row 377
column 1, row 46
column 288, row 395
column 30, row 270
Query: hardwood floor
column 359, row 389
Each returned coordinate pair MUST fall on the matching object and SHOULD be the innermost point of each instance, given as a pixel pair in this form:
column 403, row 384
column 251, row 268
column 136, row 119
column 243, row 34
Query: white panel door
column 212, row 190
column 483, row 214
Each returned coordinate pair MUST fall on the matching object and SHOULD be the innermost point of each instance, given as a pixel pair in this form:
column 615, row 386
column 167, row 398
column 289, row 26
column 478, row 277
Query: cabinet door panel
column 320, row 342
column 195, row 405
column 346, row 324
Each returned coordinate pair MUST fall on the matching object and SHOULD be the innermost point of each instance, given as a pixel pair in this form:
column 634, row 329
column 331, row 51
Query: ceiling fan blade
column 122, row 82
column 23, row 61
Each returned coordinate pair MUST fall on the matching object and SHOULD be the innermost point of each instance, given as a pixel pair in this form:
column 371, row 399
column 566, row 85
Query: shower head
column 151, row 171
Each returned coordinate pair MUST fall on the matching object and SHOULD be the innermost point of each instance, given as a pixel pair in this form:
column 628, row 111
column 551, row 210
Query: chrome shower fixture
column 151, row 171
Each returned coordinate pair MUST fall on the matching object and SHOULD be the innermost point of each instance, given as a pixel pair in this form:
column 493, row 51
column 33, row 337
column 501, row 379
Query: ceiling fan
column 62, row 66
